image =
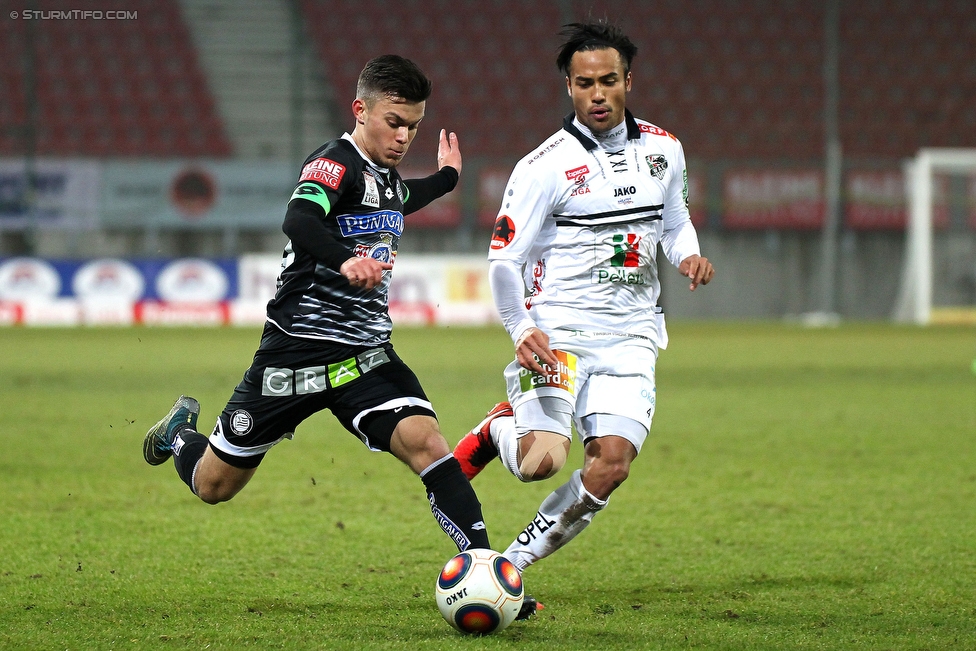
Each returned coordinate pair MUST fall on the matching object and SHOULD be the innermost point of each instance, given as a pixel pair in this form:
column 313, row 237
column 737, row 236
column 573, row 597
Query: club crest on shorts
column 241, row 422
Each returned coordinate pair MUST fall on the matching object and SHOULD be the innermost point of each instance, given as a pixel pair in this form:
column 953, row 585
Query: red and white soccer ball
column 479, row 592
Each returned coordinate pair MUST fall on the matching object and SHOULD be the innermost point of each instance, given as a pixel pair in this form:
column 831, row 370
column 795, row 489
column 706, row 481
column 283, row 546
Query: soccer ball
column 479, row 591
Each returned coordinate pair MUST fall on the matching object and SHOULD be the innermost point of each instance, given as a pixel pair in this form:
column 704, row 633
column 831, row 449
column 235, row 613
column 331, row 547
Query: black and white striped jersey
column 363, row 206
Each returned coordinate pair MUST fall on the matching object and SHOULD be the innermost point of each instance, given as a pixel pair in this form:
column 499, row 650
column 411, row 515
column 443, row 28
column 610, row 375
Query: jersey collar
column 369, row 161
column 633, row 131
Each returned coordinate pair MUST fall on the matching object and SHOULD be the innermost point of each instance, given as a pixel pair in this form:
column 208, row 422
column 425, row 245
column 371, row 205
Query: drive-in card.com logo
column 562, row 377
column 503, row 233
column 324, row 171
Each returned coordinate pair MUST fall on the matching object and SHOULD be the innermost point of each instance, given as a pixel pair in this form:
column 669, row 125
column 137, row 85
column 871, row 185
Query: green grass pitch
column 801, row 489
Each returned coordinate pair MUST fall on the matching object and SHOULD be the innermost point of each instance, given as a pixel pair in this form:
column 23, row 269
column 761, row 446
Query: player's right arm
column 526, row 204
column 319, row 187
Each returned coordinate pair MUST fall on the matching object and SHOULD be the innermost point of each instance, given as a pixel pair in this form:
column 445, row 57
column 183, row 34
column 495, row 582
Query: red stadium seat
column 93, row 76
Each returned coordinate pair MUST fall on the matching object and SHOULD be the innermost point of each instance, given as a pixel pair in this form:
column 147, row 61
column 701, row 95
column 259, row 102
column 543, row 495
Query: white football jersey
column 585, row 219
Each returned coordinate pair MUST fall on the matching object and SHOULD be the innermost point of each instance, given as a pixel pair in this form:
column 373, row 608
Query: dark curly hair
column 582, row 37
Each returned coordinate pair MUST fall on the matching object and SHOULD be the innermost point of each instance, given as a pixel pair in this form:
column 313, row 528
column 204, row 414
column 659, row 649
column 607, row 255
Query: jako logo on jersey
column 658, row 165
column 577, row 174
column 324, row 171
column 373, row 222
column 625, row 192
column 626, row 250
column 503, row 233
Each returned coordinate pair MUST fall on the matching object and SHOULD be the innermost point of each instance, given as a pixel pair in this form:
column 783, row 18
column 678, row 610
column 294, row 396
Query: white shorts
column 598, row 374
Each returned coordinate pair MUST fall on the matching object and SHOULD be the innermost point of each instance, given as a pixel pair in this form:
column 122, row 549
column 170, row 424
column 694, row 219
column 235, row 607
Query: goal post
column 914, row 303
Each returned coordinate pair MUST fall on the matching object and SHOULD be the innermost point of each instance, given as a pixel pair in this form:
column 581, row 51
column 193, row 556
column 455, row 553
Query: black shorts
column 369, row 389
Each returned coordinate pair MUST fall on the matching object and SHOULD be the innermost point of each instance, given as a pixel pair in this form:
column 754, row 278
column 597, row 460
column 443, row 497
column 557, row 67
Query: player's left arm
column 680, row 239
column 421, row 192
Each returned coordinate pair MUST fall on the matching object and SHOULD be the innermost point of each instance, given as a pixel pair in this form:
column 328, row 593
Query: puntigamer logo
column 386, row 220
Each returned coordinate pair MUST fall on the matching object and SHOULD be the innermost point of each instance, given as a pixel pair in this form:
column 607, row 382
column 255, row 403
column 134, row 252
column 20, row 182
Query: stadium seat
column 88, row 72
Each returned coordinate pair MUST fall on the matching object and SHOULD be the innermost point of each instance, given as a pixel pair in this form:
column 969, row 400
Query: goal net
column 939, row 272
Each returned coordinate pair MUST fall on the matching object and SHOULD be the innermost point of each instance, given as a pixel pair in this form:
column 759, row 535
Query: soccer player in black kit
column 326, row 343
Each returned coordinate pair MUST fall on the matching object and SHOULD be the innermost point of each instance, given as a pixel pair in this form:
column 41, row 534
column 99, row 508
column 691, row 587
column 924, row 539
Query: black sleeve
column 421, row 192
column 303, row 226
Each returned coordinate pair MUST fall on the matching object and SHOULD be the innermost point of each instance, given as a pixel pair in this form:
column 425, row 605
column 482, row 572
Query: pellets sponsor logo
column 325, row 171
column 626, row 250
column 607, row 276
column 503, row 233
column 389, row 221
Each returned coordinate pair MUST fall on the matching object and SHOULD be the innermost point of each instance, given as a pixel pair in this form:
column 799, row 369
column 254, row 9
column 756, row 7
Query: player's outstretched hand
column 699, row 269
column 533, row 348
column 365, row 273
column 448, row 152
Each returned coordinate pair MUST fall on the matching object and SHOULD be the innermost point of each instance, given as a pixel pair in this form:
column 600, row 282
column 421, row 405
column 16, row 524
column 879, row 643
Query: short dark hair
column 583, row 37
column 390, row 75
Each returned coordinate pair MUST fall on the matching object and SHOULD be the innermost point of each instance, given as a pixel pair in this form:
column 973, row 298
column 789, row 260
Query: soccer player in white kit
column 579, row 227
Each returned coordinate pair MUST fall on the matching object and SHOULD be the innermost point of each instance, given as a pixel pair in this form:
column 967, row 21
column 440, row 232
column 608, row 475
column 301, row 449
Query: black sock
column 188, row 448
column 454, row 504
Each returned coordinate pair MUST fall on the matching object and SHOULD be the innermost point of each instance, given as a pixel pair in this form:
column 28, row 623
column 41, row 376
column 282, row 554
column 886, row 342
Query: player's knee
column 214, row 490
column 545, row 457
column 211, row 494
column 604, row 476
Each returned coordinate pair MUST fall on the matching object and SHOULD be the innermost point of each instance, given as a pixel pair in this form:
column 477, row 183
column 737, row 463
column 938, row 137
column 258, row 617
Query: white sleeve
column 680, row 238
column 528, row 202
column 508, row 290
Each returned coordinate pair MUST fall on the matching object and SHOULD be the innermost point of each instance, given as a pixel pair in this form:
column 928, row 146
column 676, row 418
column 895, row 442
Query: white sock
column 566, row 512
column 506, row 439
